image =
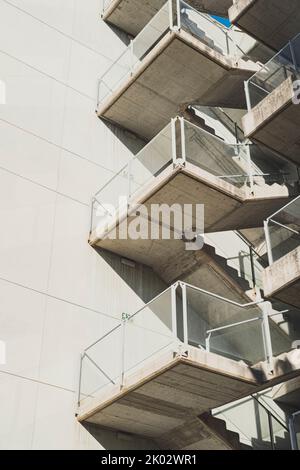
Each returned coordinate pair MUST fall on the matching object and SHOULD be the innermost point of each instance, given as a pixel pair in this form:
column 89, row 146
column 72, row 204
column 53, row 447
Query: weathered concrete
column 166, row 393
column 282, row 279
column 273, row 22
column 154, row 94
column 275, row 122
column 227, row 207
column 287, row 395
column 123, row 13
column 169, row 393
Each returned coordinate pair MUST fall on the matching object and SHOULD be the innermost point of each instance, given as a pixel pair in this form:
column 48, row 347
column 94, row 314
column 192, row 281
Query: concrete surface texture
column 181, row 390
column 282, row 279
column 146, row 101
column 58, row 294
column 273, row 22
column 123, row 13
column 275, row 121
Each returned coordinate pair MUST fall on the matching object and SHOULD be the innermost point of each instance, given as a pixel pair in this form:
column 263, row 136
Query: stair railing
column 292, row 209
column 293, row 430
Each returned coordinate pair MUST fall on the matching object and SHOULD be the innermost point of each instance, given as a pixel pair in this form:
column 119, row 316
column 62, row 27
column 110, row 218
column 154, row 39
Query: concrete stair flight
column 218, row 427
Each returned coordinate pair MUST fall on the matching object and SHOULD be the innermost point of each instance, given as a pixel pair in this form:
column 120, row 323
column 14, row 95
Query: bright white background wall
column 56, row 294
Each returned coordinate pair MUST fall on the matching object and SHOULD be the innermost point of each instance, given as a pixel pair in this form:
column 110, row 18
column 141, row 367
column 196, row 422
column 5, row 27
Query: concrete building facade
column 176, row 110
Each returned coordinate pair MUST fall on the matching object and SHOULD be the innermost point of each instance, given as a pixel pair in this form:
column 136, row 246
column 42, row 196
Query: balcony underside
column 123, row 13
column 169, row 392
column 287, row 395
column 166, row 396
column 282, row 279
column 273, row 22
column 180, row 70
column 275, row 122
column 226, row 208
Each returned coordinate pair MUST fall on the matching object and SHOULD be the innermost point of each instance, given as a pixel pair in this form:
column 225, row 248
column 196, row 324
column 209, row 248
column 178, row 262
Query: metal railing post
column 293, row 55
column 266, row 310
column 252, row 266
column 79, row 383
column 270, row 423
column 184, row 313
column 178, row 14
column 268, row 242
column 173, row 134
column 131, row 56
column 247, row 93
column 292, row 429
column 171, row 14
column 174, row 309
column 250, row 169
column 183, row 142
column 122, row 358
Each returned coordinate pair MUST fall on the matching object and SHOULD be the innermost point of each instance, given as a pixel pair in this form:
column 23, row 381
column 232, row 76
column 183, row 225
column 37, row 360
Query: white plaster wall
column 56, row 294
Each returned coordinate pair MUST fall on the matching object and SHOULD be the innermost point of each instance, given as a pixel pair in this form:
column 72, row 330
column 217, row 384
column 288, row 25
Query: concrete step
column 197, row 32
column 192, row 116
column 218, row 427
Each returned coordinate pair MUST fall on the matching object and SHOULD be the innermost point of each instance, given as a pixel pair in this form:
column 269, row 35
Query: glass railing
column 262, row 430
column 182, row 316
column 283, row 65
column 175, row 15
column 126, row 185
column 282, row 231
column 182, row 142
column 140, row 336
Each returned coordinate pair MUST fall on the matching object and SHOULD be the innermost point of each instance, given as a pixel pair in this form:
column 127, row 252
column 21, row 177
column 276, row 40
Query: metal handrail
column 219, row 297
column 283, row 208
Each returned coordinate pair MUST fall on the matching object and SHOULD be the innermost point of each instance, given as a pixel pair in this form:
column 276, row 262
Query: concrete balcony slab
column 226, row 208
column 275, row 122
column 167, row 394
column 180, row 70
column 282, row 279
column 273, row 22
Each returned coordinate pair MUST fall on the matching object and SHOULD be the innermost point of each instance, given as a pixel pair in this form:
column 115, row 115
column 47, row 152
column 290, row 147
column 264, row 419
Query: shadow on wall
column 132, row 142
column 113, row 440
column 140, row 278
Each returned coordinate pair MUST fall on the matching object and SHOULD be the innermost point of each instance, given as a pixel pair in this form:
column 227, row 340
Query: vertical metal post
column 266, row 310
column 173, row 133
column 250, row 169
column 80, row 377
column 293, row 434
column 171, row 14
column 174, row 310
column 268, row 242
column 98, row 93
column 122, row 358
column 271, row 430
column 178, row 14
column 185, row 313
column 252, row 266
column 247, row 93
column 293, row 57
column 92, row 215
column 183, row 142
